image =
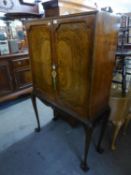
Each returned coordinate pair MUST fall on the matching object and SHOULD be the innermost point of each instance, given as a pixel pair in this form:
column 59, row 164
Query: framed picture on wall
column 28, row 2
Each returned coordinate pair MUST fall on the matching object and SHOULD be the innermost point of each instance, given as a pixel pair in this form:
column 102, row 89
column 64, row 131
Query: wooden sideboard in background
column 15, row 76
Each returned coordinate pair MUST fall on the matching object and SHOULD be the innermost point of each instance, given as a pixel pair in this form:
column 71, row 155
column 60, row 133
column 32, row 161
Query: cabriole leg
column 116, row 132
column 88, row 135
column 55, row 118
column 102, row 132
column 33, row 98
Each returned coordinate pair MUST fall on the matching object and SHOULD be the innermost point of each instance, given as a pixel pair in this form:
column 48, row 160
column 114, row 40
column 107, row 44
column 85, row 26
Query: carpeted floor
column 17, row 120
column 57, row 150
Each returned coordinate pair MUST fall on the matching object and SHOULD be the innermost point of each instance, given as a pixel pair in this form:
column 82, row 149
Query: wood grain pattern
column 103, row 61
column 73, row 48
column 40, row 48
column 82, row 48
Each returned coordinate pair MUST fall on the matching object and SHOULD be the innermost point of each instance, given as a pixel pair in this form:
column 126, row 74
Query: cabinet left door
column 39, row 38
column 6, row 85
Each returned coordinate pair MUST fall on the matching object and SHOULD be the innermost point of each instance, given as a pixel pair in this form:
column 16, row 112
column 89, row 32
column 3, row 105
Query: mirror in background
column 12, row 37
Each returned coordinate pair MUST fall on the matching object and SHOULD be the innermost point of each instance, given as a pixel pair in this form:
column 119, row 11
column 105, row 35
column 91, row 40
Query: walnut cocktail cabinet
column 72, row 59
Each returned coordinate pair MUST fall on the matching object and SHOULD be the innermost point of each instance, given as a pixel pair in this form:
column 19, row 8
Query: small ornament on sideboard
column 6, row 4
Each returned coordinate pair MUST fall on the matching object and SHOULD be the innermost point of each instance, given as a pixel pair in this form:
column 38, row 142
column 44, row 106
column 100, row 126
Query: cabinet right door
column 74, row 45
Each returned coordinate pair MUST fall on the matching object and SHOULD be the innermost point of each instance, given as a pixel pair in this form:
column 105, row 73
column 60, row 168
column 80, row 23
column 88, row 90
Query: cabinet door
column 74, row 45
column 39, row 37
column 5, row 79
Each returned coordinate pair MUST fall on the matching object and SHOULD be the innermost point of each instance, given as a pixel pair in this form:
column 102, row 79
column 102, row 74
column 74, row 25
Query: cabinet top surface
column 66, row 16
column 75, row 14
column 82, row 14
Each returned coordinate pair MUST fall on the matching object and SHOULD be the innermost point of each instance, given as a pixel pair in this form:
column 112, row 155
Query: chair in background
column 120, row 113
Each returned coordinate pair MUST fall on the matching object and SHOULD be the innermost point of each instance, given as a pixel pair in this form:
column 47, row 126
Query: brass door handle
column 54, row 74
